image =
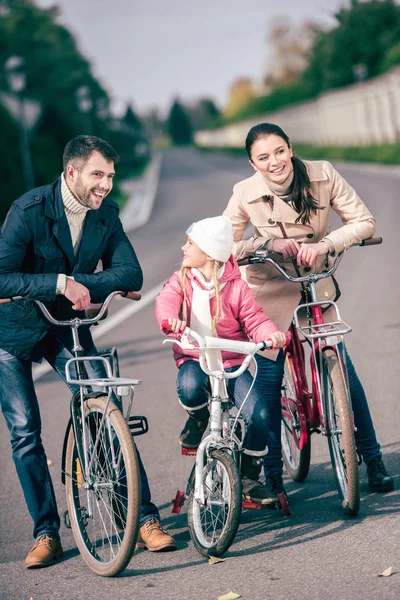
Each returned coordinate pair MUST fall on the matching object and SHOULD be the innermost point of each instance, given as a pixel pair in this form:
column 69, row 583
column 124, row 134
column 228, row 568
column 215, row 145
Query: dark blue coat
column 36, row 245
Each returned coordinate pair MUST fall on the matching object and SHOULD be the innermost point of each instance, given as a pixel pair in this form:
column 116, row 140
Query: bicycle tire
column 296, row 454
column 213, row 525
column 106, row 533
column 341, row 441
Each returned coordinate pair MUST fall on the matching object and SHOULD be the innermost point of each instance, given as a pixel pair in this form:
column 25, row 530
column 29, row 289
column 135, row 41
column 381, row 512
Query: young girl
column 209, row 295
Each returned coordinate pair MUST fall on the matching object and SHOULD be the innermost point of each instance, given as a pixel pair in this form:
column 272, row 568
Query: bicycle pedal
column 250, row 505
column 138, row 425
column 67, row 521
column 178, row 502
column 189, row 451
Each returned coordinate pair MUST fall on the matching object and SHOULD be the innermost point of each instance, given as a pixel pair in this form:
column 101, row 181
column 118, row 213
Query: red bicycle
column 322, row 405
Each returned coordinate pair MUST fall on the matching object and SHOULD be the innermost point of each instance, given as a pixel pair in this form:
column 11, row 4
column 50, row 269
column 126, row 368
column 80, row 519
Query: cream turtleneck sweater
column 283, row 190
column 75, row 213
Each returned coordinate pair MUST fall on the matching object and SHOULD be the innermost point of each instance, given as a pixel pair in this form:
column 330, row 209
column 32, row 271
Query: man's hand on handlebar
column 78, row 294
column 308, row 253
column 278, row 340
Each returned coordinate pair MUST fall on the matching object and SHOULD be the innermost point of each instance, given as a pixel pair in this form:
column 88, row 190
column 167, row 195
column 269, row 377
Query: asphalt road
column 316, row 553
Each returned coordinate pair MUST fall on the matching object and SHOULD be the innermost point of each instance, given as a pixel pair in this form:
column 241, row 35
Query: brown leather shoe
column 153, row 537
column 44, row 551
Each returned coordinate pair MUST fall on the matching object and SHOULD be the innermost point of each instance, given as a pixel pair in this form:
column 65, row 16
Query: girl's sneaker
column 257, row 492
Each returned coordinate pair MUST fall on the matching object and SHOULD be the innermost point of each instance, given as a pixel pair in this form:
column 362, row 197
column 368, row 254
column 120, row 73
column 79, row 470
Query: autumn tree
column 290, row 46
column 240, row 94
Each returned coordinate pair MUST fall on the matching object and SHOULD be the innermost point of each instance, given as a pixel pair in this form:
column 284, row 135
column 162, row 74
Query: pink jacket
column 241, row 315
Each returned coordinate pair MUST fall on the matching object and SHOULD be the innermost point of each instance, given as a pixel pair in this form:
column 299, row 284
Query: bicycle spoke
column 101, row 498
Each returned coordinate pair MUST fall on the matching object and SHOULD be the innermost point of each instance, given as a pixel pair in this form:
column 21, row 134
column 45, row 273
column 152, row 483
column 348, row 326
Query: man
column 51, row 242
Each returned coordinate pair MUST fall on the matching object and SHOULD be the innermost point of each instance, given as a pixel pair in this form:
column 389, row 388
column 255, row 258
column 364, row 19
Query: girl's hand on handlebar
column 308, row 253
column 287, row 247
column 278, row 340
column 175, row 325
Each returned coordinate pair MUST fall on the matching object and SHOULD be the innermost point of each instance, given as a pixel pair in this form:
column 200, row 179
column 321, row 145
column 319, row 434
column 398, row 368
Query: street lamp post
column 84, row 102
column 16, row 79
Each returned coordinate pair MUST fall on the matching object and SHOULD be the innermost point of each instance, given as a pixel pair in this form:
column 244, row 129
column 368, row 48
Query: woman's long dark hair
column 302, row 199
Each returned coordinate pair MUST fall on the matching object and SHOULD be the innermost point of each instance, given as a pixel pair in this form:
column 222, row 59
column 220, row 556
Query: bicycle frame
column 319, row 334
column 111, row 384
column 221, row 433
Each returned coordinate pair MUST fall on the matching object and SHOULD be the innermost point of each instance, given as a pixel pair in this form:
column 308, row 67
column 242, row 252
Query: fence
column 362, row 114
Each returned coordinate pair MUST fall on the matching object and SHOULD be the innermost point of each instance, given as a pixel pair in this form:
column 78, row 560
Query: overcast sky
column 149, row 51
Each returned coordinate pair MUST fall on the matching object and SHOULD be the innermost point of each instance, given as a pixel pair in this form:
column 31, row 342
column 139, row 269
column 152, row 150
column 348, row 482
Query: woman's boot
column 194, row 428
column 253, row 489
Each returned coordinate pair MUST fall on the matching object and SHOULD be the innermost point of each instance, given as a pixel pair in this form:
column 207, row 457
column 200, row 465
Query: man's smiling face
column 92, row 180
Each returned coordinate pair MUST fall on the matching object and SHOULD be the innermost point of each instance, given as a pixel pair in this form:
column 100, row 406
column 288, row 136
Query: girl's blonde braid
column 216, row 267
column 182, row 278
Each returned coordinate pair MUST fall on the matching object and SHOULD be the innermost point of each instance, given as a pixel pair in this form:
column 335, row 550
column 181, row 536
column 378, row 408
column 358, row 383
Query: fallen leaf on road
column 387, row 572
column 229, row 596
column 214, row 560
column 49, row 462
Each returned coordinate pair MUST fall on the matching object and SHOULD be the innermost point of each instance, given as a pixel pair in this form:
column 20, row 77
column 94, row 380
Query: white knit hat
column 214, row 236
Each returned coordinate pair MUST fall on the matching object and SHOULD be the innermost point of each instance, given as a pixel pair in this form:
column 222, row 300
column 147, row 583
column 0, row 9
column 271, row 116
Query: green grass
column 385, row 154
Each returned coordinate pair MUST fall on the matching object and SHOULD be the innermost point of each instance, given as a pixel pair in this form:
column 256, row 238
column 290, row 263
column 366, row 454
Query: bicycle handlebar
column 184, row 340
column 262, row 256
column 76, row 320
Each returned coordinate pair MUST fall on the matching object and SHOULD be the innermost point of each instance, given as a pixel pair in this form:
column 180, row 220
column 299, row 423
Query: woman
column 288, row 202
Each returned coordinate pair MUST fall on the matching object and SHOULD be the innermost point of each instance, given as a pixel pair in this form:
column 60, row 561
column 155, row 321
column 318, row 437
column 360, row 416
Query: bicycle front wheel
column 296, row 440
column 213, row 523
column 103, row 496
column 342, row 445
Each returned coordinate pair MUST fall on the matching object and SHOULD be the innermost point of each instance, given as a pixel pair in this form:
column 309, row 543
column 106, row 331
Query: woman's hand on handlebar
column 288, row 247
column 307, row 255
column 78, row 294
column 278, row 340
column 174, row 325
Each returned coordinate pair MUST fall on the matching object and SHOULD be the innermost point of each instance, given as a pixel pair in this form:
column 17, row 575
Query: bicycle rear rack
column 313, row 331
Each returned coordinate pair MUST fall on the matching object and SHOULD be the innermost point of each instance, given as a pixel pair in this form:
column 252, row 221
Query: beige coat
column 277, row 296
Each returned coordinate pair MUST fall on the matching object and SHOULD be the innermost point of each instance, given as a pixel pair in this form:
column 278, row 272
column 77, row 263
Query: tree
column 132, row 120
column 178, row 124
column 359, row 42
column 202, row 113
column 55, row 69
column 240, row 94
column 290, row 44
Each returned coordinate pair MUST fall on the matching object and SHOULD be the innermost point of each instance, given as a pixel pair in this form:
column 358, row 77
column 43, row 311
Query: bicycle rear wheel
column 104, row 503
column 214, row 523
column 296, row 440
column 341, row 439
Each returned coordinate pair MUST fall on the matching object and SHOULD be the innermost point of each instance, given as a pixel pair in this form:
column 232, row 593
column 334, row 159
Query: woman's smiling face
column 272, row 157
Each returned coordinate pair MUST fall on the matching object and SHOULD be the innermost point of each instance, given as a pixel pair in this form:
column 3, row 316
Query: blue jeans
column 21, row 412
column 269, row 378
column 194, row 390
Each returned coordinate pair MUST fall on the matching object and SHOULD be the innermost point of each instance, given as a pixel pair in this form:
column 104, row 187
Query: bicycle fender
column 64, row 451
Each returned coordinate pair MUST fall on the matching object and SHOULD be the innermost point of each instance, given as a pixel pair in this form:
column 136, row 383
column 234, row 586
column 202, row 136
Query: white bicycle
column 214, row 488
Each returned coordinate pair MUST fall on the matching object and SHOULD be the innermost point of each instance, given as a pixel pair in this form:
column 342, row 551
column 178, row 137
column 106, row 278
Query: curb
column 142, row 193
